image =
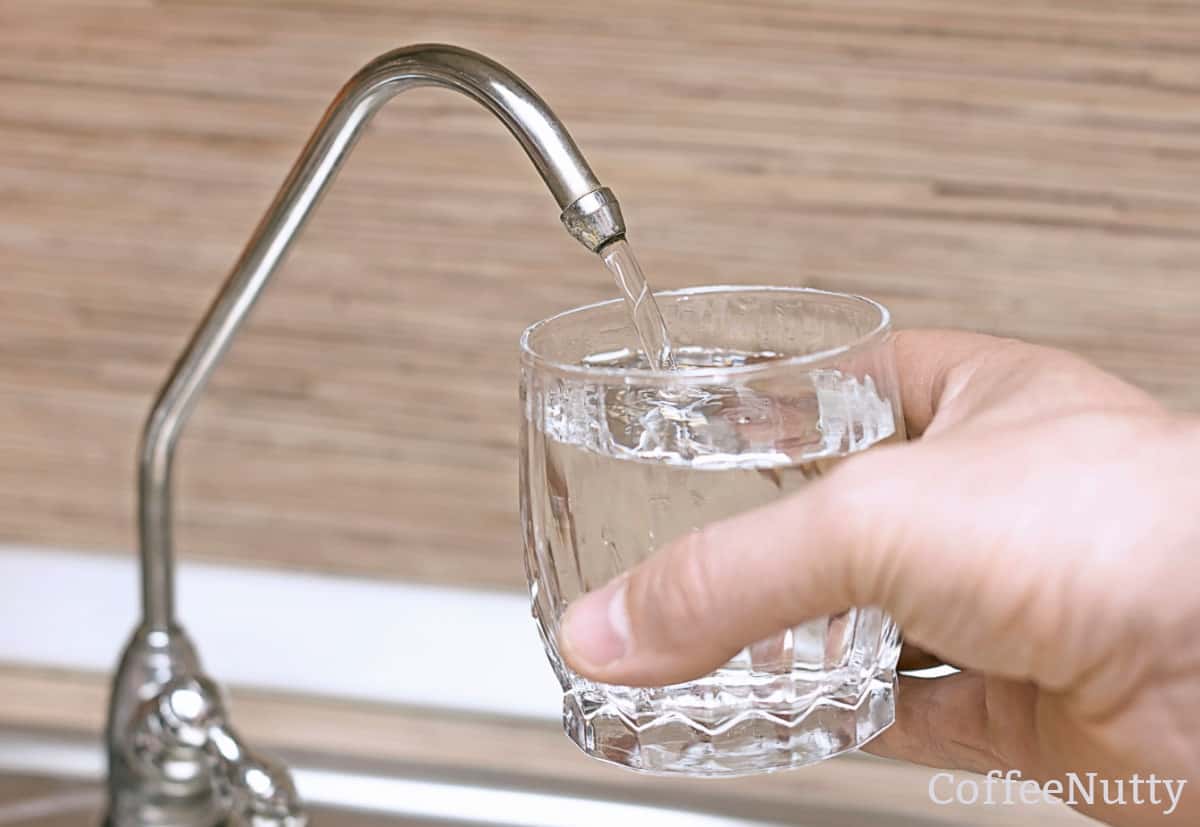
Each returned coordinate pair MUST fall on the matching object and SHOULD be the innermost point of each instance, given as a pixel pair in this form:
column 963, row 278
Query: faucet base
column 174, row 760
column 152, row 659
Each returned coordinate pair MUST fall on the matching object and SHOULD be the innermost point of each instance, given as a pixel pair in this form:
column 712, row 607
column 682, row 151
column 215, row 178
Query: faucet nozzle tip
column 594, row 219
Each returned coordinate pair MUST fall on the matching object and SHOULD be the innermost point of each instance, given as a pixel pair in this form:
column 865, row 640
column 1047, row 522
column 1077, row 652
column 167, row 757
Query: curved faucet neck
column 589, row 212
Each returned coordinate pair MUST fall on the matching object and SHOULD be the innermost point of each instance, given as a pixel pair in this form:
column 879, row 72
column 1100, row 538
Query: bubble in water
column 719, row 425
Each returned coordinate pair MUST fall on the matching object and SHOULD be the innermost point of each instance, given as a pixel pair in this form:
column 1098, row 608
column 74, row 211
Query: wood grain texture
column 1026, row 168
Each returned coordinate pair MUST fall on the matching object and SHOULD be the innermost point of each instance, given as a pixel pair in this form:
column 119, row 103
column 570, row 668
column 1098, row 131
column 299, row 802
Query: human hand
column 1042, row 533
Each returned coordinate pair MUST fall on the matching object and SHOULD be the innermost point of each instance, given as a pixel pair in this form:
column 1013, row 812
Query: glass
column 776, row 386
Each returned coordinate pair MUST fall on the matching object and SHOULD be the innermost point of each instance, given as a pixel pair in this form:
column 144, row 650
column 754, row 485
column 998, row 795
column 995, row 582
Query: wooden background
column 1028, row 168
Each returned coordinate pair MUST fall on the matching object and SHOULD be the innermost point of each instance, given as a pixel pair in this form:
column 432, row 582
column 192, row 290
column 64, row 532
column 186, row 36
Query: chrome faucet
column 173, row 757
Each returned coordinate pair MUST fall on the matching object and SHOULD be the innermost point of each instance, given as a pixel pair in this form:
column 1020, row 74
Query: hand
column 1042, row 533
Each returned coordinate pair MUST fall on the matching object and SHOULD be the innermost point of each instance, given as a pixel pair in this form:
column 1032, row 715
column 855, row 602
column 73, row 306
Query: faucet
column 173, row 757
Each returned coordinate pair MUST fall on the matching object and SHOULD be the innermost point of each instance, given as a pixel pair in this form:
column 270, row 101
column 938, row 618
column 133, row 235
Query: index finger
column 926, row 360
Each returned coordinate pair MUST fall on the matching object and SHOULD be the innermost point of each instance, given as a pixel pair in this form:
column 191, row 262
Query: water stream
column 647, row 320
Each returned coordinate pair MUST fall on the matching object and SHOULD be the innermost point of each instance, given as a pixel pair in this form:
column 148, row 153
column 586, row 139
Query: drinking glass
column 775, row 387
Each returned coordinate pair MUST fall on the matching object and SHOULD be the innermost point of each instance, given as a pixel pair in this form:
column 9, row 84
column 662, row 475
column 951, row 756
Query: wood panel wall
column 1027, row 168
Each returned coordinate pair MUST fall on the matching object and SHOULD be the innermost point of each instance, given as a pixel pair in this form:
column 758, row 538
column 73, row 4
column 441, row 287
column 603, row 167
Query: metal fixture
column 173, row 758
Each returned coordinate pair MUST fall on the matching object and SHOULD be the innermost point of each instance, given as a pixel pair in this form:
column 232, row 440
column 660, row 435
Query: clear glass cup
column 777, row 386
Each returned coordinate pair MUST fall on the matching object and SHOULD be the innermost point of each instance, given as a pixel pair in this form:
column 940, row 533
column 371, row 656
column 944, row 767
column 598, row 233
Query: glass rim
column 543, row 363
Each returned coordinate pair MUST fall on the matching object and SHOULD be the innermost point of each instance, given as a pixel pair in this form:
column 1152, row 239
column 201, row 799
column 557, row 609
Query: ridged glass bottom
column 756, row 741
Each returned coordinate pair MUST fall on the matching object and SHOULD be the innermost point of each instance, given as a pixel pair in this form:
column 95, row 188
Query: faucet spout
column 589, row 211
column 160, row 655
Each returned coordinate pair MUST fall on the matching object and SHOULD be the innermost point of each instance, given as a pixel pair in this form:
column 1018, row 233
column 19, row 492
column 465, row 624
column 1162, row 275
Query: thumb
column 865, row 535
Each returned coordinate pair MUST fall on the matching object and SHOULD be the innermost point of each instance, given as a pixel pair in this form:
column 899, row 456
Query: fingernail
column 595, row 630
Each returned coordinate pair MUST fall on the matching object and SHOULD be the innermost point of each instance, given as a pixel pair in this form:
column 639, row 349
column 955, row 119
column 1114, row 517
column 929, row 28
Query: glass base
column 756, row 741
